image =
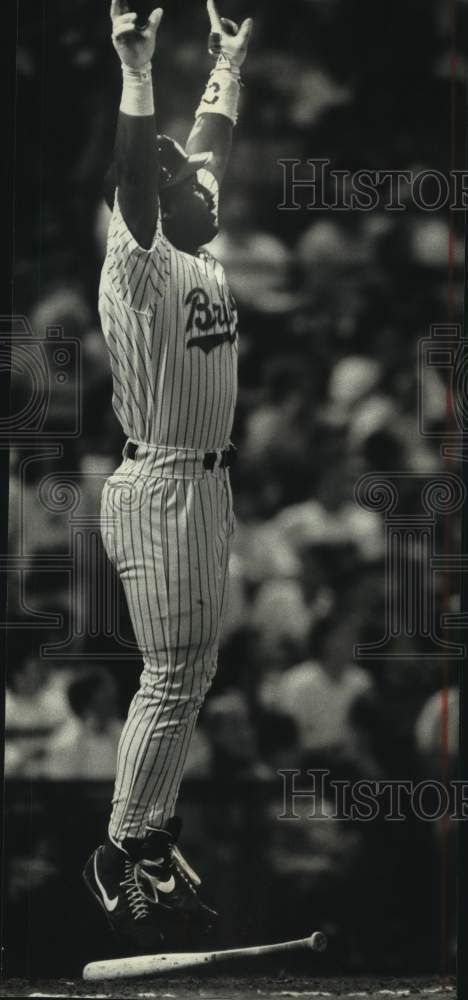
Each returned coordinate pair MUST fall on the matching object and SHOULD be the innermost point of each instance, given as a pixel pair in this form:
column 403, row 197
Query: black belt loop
column 209, row 460
column 228, row 456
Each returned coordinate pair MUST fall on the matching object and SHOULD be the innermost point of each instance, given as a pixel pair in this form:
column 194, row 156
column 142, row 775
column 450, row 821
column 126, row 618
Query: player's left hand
column 135, row 46
column 226, row 38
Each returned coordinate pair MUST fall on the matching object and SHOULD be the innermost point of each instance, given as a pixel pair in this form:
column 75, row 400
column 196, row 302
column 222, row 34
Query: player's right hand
column 226, row 38
column 134, row 45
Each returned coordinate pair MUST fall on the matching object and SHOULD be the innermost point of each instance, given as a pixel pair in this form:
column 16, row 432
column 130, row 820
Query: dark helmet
column 187, row 221
column 176, row 167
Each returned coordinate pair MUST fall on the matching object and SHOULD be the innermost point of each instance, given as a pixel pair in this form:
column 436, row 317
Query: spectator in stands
column 86, row 746
column 36, row 706
column 321, row 695
column 259, row 262
column 230, row 728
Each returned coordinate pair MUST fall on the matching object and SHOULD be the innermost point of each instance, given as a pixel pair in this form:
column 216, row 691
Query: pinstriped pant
column 166, row 525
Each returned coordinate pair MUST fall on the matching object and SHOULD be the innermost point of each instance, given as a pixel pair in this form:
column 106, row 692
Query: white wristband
column 137, row 91
column 222, row 92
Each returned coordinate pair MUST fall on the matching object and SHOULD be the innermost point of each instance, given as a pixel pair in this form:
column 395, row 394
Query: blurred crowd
column 332, row 309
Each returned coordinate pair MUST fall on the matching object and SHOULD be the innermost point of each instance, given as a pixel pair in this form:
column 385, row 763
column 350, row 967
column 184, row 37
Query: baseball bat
column 156, row 965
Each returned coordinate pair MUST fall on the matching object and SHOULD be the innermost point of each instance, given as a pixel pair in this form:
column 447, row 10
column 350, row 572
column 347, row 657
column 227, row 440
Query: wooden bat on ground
column 157, row 965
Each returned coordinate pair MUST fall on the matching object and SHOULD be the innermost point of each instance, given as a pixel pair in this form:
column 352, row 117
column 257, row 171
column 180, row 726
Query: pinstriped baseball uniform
column 171, row 328
column 170, row 324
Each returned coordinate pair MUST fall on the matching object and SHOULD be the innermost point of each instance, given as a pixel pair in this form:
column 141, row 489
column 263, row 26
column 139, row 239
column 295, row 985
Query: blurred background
column 332, row 308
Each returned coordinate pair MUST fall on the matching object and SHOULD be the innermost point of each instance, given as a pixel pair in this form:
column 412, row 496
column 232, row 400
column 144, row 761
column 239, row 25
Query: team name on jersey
column 205, row 315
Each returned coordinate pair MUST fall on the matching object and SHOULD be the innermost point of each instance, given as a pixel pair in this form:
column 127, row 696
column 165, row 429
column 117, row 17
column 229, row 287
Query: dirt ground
column 239, row 988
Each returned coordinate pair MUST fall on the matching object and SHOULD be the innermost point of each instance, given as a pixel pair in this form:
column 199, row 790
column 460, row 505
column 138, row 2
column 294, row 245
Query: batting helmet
column 193, row 220
column 175, row 166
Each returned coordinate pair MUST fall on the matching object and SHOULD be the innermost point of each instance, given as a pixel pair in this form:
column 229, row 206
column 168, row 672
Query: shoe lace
column 137, row 901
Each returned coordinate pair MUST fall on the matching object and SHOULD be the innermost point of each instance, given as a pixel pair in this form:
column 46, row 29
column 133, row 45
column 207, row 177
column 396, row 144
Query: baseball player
column 170, row 324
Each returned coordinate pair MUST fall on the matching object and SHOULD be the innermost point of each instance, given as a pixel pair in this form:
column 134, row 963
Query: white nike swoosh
column 158, row 886
column 110, row 904
column 168, row 886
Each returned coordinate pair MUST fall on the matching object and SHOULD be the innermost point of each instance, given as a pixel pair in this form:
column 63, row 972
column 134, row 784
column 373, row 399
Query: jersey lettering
column 205, row 315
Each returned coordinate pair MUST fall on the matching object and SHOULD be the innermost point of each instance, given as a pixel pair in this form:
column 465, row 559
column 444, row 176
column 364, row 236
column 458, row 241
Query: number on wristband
column 216, row 88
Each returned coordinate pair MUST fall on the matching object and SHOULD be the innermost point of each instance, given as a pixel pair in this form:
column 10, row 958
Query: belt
column 211, row 459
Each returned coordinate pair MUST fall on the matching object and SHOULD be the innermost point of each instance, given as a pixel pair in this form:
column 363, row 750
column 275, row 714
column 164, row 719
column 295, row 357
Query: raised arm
column 217, row 113
column 136, row 156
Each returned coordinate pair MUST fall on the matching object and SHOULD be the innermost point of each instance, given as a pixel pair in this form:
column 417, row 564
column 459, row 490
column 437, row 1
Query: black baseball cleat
column 166, row 878
column 110, row 875
column 148, row 892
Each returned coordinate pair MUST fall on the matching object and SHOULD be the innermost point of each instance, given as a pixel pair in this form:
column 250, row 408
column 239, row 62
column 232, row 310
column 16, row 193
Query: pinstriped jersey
column 170, row 324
